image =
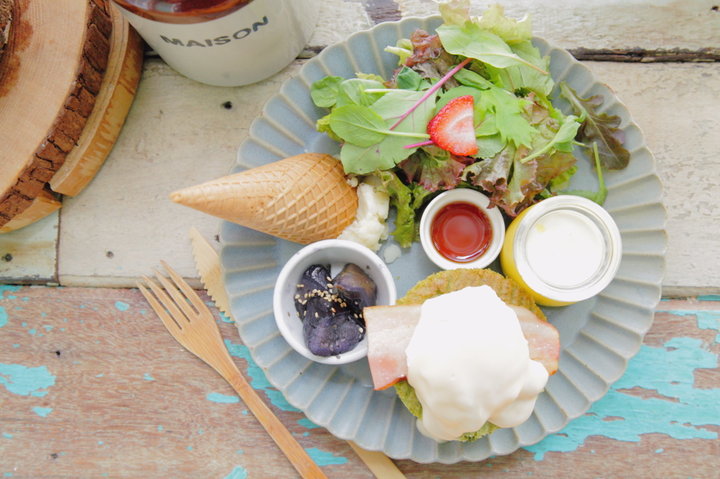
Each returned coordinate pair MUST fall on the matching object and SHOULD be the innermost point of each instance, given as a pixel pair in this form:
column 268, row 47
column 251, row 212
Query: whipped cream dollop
column 469, row 364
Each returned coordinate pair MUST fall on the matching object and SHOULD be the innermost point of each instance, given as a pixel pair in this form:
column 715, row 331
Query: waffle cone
column 304, row 198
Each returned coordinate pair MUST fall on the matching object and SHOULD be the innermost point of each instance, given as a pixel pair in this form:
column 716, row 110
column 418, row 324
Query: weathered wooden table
column 91, row 385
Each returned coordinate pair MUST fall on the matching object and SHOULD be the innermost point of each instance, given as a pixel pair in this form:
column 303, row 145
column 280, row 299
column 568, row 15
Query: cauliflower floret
column 370, row 227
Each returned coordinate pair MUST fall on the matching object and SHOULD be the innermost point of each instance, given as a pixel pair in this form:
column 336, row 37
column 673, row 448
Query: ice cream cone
column 304, row 198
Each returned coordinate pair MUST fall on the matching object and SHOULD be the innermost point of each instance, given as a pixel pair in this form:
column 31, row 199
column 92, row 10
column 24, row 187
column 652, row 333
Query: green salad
column 468, row 105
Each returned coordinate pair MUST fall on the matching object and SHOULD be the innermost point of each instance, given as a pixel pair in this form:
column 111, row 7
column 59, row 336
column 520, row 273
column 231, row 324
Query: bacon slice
column 542, row 337
column 390, row 328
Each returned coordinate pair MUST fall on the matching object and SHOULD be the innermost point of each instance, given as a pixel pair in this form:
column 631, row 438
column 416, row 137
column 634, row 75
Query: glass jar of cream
column 563, row 250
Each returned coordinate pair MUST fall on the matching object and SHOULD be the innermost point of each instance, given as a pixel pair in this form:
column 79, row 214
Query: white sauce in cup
column 565, row 248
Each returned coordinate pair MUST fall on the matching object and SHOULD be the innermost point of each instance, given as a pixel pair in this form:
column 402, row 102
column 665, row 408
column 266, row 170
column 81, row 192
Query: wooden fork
column 192, row 324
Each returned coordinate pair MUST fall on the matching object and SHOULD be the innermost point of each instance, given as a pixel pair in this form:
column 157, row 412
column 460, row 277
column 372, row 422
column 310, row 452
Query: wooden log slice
column 68, row 64
column 112, row 104
column 6, row 14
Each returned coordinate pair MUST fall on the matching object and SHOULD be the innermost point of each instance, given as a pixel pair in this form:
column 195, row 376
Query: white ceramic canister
column 224, row 42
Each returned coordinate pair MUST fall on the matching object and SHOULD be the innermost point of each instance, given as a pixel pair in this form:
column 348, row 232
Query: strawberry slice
column 452, row 128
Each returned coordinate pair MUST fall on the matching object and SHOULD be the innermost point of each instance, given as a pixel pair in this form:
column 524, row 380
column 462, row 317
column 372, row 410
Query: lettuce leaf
column 470, row 40
column 406, row 199
column 434, row 169
column 511, row 30
column 599, row 128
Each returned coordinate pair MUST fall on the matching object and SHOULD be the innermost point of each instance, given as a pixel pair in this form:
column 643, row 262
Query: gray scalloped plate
column 598, row 336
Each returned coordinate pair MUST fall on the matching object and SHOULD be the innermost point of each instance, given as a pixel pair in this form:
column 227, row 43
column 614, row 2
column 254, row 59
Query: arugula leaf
column 363, row 160
column 358, row 125
column 473, row 79
column 519, row 78
column 470, row 40
column 599, row 128
column 392, row 148
column 324, row 92
column 353, row 92
column 394, row 104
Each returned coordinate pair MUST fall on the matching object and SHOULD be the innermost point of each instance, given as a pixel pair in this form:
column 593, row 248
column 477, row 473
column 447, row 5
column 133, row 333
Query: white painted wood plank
column 337, row 19
column 649, row 24
column 676, row 106
column 178, row 133
column 29, row 255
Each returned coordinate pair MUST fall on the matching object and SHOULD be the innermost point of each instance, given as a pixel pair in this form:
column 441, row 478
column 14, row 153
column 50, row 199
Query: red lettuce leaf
column 599, row 128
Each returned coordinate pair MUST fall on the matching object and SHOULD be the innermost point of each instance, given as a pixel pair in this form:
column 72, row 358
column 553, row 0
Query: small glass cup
column 562, row 250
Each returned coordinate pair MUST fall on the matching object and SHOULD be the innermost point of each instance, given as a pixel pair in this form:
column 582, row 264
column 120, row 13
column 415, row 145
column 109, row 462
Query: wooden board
column 92, row 385
column 42, row 205
column 68, row 65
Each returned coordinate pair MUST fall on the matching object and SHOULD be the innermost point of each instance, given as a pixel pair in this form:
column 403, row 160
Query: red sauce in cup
column 461, row 232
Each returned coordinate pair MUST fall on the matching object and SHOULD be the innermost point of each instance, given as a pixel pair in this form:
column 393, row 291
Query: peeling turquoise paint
column 680, row 410
column 324, row 458
column 42, row 411
column 26, row 381
column 7, row 435
column 222, row 398
column 160, row 428
column 3, row 317
column 121, row 306
column 705, row 319
column 5, row 288
column 709, row 297
column 148, row 377
column 238, row 472
column 257, row 377
column 305, row 422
